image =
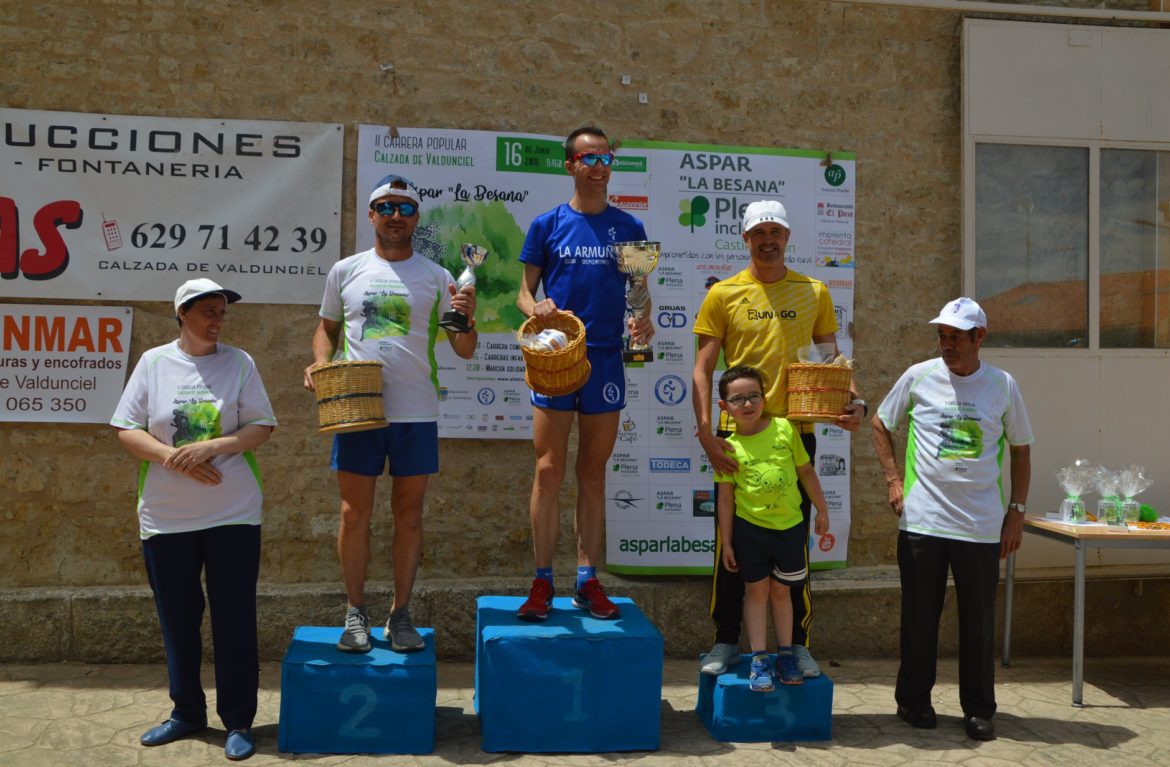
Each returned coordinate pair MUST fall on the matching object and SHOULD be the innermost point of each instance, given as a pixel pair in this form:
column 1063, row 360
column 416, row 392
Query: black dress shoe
column 979, row 728
column 240, row 745
column 922, row 718
column 170, row 731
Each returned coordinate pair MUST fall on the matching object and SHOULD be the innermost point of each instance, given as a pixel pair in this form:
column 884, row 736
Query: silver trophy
column 637, row 260
column 473, row 256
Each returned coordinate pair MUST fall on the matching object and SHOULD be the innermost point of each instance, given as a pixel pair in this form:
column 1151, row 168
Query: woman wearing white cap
column 192, row 411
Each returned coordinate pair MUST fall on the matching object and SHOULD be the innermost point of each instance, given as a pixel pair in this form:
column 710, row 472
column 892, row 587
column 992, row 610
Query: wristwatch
column 864, row 407
column 1013, row 506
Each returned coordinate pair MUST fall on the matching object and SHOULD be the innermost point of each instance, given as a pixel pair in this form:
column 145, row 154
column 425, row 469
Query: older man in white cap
column 388, row 300
column 760, row 317
column 961, row 413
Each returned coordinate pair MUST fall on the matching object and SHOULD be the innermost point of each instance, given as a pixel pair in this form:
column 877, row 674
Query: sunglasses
column 740, row 400
column 387, row 208
column 592, row 158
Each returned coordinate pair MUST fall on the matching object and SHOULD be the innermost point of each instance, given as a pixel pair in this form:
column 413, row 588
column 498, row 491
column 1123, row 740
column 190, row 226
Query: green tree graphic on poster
column 443, row 230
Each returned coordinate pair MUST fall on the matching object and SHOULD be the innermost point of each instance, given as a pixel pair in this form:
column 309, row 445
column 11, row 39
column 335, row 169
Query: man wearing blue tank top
column 566, row 253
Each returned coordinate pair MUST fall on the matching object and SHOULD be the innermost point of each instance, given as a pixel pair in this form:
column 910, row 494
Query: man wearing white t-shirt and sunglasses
column 384, row 304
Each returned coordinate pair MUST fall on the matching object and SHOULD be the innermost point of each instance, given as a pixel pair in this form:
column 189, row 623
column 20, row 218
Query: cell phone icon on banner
column 111, row 233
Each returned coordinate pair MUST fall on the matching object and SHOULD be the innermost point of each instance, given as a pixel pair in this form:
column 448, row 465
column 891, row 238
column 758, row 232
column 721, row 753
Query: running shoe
column 401, row 632
column 760, row 677
column 356, row 635
column 722, row 655
column 804, row 661
column 591, row 596
column 787, row 669
column 539, row 602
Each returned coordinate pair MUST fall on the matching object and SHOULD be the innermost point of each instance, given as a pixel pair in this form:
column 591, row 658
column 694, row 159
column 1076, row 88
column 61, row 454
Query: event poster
column 124, row 208
column 485, row 188
column 62, row 364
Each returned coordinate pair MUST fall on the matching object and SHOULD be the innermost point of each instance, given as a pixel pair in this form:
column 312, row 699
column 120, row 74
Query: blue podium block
column 333, row 702
column 733, row 713
column 570, row 684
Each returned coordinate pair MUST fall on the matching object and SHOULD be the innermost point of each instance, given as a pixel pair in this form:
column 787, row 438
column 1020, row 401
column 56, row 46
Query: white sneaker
column 804, row 661
column 722, row 655
column 356, row 636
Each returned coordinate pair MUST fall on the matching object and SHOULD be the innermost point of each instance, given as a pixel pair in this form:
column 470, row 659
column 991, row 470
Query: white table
column 1081, row 538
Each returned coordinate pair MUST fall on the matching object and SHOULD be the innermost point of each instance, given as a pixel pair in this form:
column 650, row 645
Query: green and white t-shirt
column 954, row 451
column 391, row 313
column 766, row 486
column 180, row 399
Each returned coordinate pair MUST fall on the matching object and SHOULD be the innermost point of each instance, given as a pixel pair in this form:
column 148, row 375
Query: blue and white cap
column 405, row 188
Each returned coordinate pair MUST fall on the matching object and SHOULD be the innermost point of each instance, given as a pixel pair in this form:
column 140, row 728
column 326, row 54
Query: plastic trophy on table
column 473, row 255
column 636, row 260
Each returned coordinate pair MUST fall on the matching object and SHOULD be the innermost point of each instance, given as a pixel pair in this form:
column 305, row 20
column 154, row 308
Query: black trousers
column 727, row 587
column 230, row 557
column 923, row 561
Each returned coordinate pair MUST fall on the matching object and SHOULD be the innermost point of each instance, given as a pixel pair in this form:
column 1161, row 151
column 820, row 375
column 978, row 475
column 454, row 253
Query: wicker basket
column 559, row 371
column 349, row 396
column 818, row 392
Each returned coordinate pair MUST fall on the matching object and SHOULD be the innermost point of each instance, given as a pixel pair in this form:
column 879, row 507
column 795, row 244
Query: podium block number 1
column 576, row 678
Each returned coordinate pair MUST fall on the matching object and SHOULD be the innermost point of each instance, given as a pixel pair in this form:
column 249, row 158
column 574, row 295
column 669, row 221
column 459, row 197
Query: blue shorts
column 762, row 551
column 411, row 448
column 604, row 392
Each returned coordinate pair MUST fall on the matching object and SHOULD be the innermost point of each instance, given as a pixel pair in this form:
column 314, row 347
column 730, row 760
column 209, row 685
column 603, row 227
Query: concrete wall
column 882, row 82
column 856, row 617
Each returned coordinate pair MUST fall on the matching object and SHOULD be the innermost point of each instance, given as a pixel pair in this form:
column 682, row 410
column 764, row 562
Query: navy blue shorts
column 761, row 552
column 411, row 449
column 604, row 392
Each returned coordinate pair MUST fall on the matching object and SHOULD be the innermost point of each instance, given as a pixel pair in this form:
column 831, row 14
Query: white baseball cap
column 762, row 212
column 962, row 313
column 383, row 188
column 199, row 288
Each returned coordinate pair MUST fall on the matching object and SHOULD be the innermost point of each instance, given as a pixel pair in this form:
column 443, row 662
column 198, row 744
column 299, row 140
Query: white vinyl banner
column 696, row 198
column 486, row 188
column 127, row 208
column 62, row 364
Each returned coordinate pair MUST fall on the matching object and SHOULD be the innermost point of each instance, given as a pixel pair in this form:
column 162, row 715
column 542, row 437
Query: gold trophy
column 473, row 256
column 637, row 260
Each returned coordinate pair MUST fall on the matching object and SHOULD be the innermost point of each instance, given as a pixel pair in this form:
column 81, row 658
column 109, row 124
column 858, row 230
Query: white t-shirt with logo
column 391, row 312
column 179, row 399
column 955, row 447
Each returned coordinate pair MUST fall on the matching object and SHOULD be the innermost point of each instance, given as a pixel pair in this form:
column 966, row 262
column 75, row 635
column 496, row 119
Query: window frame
column 1094, row 147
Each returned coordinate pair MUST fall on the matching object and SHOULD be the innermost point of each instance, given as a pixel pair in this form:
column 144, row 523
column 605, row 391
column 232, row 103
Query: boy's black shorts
column 763, row 552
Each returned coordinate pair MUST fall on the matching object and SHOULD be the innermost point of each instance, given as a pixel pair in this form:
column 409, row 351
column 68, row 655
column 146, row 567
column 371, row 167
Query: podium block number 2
column 369, row 700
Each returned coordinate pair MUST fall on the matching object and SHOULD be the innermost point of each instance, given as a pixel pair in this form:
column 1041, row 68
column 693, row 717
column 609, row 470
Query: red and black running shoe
column 539, row 602
column 591, row 596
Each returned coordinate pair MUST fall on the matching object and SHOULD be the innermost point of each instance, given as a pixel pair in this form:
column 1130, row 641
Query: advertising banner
column 127, row 208
column 486, row 188
column 662, row 516
column 62, row 364
column 483, row 188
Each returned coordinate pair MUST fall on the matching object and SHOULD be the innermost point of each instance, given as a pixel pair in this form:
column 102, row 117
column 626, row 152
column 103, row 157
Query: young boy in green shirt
column 760, row 521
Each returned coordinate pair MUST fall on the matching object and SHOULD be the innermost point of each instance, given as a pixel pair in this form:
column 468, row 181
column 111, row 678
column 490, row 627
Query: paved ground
column 71, row 714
